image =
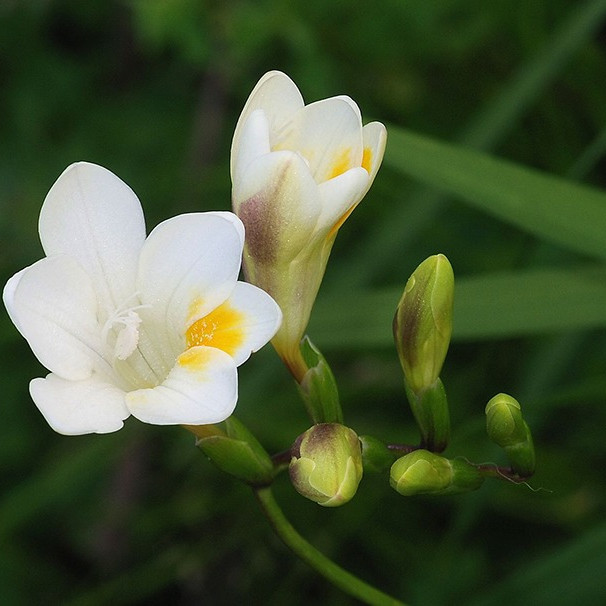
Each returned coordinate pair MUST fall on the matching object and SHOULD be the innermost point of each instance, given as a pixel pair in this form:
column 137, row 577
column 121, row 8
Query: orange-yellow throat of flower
column 222, row 328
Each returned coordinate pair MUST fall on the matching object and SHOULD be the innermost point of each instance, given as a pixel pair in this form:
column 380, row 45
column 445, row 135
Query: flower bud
column 326, row 466
column 423, row 322
column 423, row 472
column 238, row 453
column 298, row 171
column 504, row 422
column 507, row 428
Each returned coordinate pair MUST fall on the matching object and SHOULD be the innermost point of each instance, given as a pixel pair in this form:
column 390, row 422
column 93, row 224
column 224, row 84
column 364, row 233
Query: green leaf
column 571, row 215
column 484, row 130
column 531, row 302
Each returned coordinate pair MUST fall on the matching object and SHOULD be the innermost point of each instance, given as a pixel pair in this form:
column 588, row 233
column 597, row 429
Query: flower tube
column 298, row 171
column 154, row 327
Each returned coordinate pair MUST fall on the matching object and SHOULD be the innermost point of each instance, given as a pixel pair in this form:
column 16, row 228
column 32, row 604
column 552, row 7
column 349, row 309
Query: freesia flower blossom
column 297, row 171
column 154, row 327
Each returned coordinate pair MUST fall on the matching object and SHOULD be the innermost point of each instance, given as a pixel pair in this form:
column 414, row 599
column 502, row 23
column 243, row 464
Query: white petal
column 375, row 138
column 54, row 306
column 328, row 134
column 340, row 196
column 254, row 142
column 240, row 325
column 188, row 266
column 352, row 104
column 79, row 407
column 8, row 296
column 279, row 204
column 279, row 98
column 93, row 216
column 202, row 388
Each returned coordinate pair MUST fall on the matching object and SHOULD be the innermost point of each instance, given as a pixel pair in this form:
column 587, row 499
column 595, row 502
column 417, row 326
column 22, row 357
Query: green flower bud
column 326, row 466
column 507, row 428
column 238, row 453
column 375, row 455
column 504, row 422
column 422, row 325
column 318, row 386
column 423, row 472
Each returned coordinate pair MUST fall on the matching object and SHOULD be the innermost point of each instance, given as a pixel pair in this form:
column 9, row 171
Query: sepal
column 318, row 387
column 238, row 453
column 430, row 410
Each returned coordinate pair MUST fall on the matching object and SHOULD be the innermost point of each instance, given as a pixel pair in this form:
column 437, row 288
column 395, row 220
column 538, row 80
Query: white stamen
column 127, row 338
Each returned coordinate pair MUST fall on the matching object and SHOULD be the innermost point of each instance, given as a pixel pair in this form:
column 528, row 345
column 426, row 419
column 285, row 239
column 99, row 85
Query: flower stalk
column 323, row 565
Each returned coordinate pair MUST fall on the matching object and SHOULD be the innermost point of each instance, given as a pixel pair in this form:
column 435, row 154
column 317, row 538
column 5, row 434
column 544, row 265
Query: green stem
column 317, row 560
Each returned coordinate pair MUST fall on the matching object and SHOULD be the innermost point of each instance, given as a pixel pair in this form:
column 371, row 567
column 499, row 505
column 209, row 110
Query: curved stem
column 317, row 560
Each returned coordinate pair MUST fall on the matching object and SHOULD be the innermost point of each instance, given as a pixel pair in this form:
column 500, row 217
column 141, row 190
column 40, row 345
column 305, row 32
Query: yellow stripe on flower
column 221, row 328
column 367, row 159
column 366, row 165
column 342, row 163
column 194, row 359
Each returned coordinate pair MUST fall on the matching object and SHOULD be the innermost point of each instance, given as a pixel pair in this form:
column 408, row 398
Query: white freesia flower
column 298, row 171
column 154, row 327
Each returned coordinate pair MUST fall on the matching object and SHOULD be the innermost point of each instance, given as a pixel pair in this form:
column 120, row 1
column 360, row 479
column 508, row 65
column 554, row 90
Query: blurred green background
column 152, row 89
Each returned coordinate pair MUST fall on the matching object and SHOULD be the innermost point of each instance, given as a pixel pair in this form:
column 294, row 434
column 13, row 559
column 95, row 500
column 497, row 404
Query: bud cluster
column 298, row 171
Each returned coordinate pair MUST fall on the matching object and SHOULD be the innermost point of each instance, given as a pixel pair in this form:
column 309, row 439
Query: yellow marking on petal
column 194, row 359
column 366, row 165
column 367, row 159
column 341, row 164
column 221, row 328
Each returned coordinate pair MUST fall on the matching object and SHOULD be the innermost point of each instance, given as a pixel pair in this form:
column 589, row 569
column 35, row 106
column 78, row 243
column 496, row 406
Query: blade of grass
column 485, row 131
column 571, row 215
column 539, row 301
